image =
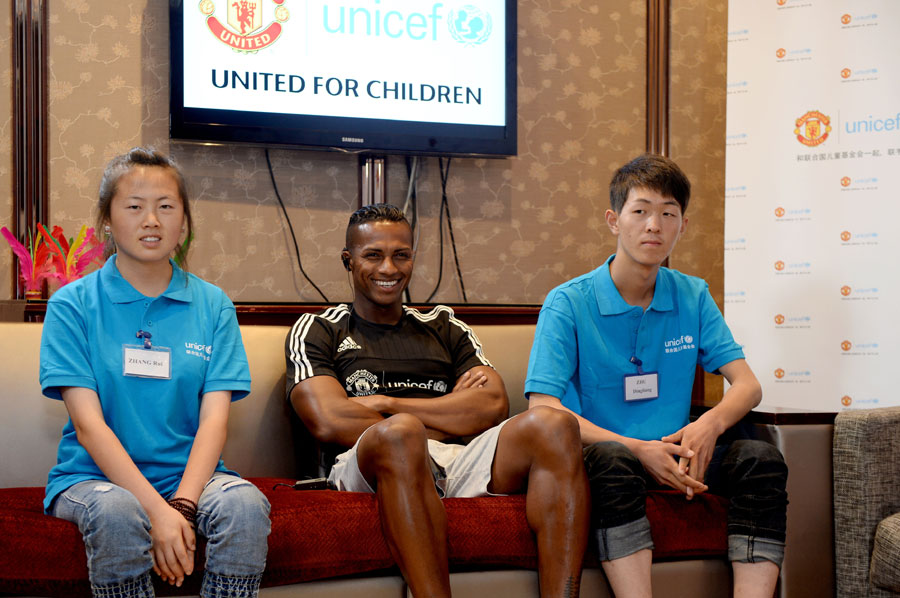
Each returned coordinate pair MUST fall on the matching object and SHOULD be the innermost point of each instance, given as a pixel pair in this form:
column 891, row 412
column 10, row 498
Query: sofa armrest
column 866, row 454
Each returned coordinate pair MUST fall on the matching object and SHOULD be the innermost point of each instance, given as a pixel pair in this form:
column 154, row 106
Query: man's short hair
column 650, row 171
column 379, row 212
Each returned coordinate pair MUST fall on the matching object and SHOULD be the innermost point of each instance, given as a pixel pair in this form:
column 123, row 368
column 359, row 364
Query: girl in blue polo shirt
column 147, row 359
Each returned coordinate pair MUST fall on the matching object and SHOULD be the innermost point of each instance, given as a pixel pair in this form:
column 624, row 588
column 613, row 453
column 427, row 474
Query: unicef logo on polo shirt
column 198, row 350
column 470, row 25
column 680, row 343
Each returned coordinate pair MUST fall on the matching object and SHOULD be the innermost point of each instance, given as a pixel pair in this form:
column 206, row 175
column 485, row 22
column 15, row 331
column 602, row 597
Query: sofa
column 325, row 543
column 867, row 502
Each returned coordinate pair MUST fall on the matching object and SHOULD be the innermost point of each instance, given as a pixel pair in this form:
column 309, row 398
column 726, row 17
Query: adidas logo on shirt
column 347, row 344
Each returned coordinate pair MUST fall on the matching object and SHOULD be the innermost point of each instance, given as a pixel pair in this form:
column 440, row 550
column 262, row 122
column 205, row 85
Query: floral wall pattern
column 522, row 225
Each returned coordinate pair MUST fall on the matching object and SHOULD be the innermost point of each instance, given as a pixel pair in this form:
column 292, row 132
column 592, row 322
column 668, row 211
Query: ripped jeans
column 232, row 514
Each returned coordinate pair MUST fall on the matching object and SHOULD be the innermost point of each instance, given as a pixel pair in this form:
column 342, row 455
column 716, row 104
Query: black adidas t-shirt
column 421, row 356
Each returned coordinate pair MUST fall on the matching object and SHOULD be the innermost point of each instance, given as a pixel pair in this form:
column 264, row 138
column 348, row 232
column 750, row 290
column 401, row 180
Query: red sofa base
column 325, row 534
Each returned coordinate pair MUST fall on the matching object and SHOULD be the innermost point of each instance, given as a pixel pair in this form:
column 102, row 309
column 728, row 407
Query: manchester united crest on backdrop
column 245, row 28
column 812, row 128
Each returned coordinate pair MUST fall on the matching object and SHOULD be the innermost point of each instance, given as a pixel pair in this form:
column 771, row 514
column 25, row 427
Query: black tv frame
column 380, row 136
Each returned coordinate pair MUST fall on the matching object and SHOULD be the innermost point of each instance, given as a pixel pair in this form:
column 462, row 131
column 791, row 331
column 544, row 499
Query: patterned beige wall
column 697, row 139
column 522, row 225
column 109, row 91
column 527, row 224
column 7, row 264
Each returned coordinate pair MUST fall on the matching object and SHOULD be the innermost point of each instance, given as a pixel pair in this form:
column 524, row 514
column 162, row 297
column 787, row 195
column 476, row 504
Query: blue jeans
column 750, row 473
column 232, row 514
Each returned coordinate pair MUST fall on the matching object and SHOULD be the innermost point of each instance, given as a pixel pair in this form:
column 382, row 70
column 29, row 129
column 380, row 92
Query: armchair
column 867, row 502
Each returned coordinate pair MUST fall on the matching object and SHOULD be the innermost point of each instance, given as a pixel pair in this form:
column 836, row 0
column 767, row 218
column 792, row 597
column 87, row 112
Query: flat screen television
column 378, row 76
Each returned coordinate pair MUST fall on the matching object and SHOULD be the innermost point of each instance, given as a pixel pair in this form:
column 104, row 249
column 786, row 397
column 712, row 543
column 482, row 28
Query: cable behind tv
column 291, row 228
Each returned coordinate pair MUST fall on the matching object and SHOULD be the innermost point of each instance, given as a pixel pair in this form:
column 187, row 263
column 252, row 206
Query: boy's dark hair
column 379, row 212
column 653, row 172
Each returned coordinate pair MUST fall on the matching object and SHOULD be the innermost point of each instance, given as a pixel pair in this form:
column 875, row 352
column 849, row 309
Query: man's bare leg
column 393, row 456
column 629, row 576
column 540, row 450
column 755, row 580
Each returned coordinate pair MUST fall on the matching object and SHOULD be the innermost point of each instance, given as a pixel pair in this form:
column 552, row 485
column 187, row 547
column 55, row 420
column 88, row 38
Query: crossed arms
column 477, row 402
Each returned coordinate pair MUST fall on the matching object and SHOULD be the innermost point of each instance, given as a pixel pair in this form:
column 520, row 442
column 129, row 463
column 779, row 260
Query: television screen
column 382, row 76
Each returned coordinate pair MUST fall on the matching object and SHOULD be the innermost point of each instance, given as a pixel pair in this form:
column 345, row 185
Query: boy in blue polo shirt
column 618, row 347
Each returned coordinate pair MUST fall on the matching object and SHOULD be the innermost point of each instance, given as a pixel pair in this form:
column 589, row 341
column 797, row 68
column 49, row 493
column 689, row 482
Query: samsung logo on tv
column 352, row 140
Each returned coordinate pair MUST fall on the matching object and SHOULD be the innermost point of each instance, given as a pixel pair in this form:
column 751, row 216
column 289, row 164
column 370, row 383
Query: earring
column 106, row 229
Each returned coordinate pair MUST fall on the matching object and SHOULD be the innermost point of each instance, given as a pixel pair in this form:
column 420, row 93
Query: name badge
column 146, row 363
column 640, row 387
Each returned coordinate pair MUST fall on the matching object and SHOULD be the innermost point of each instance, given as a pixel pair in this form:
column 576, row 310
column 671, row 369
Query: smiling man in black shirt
column 400, row 388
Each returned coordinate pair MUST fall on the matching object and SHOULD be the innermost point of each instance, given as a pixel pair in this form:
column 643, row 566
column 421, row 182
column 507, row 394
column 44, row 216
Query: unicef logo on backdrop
column 737, row 244
column 847, row 400
column 783, row 268
column 867, row 349
column 783, row 376
column 470, row 25
column 739, row 296
column 869, row 238
column 797, row 320
column 859, row 183
column 739, row 35
column 849, row 293
column 849, row 21
column 792, row 214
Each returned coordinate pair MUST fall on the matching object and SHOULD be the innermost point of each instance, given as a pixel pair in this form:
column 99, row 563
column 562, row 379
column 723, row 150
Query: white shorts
column 459, row 471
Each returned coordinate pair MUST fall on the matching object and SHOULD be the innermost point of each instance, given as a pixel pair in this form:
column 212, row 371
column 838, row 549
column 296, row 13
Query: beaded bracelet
column 186, row 507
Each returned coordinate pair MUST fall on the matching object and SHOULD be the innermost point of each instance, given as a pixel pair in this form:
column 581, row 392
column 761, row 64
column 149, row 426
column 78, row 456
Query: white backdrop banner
column 811, row 199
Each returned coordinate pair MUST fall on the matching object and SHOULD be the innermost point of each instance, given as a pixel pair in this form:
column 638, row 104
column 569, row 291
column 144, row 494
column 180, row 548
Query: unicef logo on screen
column 470, row 25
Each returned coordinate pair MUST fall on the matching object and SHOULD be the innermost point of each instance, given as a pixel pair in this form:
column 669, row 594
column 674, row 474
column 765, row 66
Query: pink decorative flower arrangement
column 47, row 255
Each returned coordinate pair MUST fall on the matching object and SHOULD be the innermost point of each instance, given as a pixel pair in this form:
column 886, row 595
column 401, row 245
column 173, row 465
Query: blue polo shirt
column 587, row 334
column 87, row 324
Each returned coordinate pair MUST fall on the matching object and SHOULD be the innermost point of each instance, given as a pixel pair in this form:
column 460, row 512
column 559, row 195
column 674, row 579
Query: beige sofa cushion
column 34, row 423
